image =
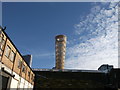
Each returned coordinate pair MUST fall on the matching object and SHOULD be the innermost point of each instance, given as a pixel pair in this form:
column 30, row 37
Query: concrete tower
column 28, row 59
column 60, row 47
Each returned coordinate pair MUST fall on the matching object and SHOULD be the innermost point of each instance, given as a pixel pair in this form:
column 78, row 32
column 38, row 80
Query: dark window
column 23, row 68
column 28, row 73
column 32, row 77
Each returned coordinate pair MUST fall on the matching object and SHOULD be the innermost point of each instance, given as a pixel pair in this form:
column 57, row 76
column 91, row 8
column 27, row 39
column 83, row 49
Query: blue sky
column 33, row 27
column 0, row 13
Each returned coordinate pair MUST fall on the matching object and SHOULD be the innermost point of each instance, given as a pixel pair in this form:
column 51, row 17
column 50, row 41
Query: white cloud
column 43, row 54
column 98, row 39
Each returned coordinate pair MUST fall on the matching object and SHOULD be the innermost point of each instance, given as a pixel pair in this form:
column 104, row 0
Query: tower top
column 60, row 36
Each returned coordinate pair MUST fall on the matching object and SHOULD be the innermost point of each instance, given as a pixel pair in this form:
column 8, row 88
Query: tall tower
column 60, row 47
column 28, row 59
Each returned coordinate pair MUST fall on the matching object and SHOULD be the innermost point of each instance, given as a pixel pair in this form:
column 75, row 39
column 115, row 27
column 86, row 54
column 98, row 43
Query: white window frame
column 7, row 51
column 12, row 56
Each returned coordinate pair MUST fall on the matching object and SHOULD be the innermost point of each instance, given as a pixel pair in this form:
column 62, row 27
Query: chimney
column 60, row 47
column 28, row 59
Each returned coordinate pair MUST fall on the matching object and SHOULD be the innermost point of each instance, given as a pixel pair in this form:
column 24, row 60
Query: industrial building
column 15, row 72
column 105, row 78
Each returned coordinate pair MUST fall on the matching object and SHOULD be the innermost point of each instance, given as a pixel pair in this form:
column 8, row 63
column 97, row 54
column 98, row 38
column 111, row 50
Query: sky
column 0, row 13
column 91, row 30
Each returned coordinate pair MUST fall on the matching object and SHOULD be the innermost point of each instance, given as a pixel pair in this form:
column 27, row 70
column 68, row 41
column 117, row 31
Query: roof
column 60, row 36
column 67, row 70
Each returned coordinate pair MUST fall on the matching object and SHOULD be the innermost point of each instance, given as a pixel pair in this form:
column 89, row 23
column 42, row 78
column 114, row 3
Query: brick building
column 14, row 71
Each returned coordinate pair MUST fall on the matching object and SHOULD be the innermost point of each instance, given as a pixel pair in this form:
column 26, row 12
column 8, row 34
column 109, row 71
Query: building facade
column 78, row 79
column 14, row 71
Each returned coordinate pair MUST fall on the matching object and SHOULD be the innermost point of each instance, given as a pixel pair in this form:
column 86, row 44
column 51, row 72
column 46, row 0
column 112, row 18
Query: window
column 12, row 56
column 28, row 73
column 19, row 63
column 7, row 51
column 2, row 42
column 0, row 39
column 32, row 77
column 23, row 68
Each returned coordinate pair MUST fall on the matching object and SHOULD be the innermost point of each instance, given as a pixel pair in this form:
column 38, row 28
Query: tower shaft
column 60, row 47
